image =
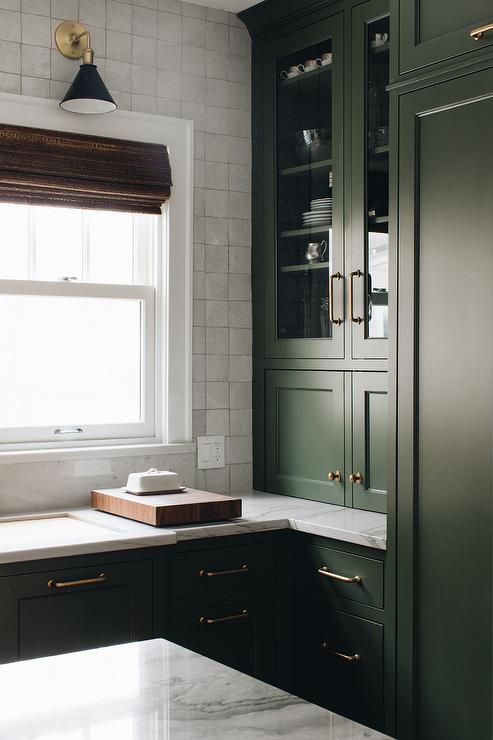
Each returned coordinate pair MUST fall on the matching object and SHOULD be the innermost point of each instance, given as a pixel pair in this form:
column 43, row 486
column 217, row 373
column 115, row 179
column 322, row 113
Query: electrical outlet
column 211, row 452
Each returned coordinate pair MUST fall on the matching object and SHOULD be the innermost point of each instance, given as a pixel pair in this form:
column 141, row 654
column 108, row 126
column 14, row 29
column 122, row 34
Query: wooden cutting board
column 167, row 509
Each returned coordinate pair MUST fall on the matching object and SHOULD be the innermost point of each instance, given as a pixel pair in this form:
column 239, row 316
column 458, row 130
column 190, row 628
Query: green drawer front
column 238, row 634
column 222, row 569
column 369, row 590
column 325, row 669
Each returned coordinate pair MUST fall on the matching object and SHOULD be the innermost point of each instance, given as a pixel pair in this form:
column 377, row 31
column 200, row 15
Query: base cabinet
column 67, row 609
column 338, row 662
column 238, row 634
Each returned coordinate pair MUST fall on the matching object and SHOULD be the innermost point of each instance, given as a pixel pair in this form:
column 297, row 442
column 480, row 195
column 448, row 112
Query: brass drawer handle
column 356, row 478
column 356, row 658
column 335, row 276
column 337, row 476
column 221, row 620
column 82, row 582
column 213, row 573
column 478, row 33
column 324, row 571
column 352, row 275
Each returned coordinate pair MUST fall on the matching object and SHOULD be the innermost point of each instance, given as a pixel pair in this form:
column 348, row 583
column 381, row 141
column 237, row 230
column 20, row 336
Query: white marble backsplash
column 40, row 486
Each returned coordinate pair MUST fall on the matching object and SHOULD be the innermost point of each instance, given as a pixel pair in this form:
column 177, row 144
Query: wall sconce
column 87, row 94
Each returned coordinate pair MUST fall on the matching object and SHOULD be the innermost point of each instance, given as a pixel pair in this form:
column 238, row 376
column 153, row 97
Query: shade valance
column 44, row 167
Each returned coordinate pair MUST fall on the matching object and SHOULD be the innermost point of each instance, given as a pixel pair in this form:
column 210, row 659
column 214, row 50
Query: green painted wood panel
column 445, row 368
column 38, row 620
column 305, row 433
column 431, row 31
column 370, row 440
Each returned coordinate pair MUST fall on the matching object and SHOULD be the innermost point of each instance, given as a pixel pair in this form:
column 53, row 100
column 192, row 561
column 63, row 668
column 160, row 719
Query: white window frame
column 173, row 309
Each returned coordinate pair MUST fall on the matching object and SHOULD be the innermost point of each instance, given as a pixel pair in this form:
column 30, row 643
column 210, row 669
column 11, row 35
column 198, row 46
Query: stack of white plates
column 320, row 212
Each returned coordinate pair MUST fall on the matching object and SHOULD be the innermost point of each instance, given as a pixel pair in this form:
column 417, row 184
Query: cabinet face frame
column 412, row 108
column 415, row 52
column 362, row 347
column 311, row 34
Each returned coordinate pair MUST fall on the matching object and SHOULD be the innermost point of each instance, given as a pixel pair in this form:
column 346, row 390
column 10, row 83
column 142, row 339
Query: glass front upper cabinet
column 306, row 279
column 369, row 274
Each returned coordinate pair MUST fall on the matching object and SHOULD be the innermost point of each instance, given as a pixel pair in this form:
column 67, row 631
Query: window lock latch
column 69, row 430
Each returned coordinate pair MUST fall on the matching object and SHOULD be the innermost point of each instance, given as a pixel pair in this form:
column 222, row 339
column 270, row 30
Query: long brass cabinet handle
column 352, row 275
column 335, row 276
column 101, row 578
column 478, row 33
column 221, row 620
column 214, row 573
column 324, row 571
column 356, row 658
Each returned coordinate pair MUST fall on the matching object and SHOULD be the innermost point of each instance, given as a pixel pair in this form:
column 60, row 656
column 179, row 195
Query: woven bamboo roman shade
column 44, row 167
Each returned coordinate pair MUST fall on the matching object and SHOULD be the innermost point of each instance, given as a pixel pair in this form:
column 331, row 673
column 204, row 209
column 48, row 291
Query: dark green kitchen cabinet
column 302, row 113
column 431, row 31
column 326, row 436
column 240, row 634
column 445, row 410
column 64, row 609
column 338, row 662
column 368, row 225
column 370, row 441
column 305, row 434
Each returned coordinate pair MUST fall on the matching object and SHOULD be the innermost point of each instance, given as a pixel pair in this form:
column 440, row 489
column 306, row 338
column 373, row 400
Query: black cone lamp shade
column 88, row 94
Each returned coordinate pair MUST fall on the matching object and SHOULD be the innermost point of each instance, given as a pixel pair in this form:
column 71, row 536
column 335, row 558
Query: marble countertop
column 261, row 512
column 155, row 690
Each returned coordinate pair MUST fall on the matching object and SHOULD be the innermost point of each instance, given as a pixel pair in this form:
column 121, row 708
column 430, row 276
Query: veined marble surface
column 268, row 511
column 154, row 690
column 261, row 512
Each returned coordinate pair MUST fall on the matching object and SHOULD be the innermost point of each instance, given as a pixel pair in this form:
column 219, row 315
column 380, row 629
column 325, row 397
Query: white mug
column 310, row 64
column 293, row 71
column 326, row 58
column 381, row 38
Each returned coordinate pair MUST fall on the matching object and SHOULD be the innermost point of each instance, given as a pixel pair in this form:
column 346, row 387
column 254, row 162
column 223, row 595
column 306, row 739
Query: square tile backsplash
column 171, row 58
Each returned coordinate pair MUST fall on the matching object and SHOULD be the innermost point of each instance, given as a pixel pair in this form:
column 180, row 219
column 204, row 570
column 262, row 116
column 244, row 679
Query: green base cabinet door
column 60, row 611
column 445, row 406
column 305, row 434
column 368, row 479
column 431, row 31
column 239, row 635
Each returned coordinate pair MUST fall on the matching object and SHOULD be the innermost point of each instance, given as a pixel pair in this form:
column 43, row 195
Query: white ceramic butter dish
column 153, row 481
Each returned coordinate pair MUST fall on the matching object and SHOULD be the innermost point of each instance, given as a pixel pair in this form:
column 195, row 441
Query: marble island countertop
column 155, row 690
column 84, row 531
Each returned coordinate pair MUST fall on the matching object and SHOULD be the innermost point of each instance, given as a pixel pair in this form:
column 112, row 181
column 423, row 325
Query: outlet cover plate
column 211, row 452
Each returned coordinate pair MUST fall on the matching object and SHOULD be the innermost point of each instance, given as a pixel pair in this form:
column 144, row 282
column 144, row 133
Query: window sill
column 91, row 453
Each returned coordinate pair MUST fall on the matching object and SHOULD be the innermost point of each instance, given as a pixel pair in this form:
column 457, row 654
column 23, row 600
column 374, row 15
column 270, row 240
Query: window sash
column 15, row 438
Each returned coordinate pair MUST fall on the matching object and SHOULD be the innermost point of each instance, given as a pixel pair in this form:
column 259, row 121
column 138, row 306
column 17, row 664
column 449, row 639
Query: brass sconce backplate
column 66, row 42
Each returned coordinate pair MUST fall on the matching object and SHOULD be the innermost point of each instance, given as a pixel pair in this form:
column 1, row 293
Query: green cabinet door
column 305, row 434
column 431, row 31
column 370, row 441
column 299, row 209
column 445, row 407
column 69, row 609
column 239, row 634
column 368, row 263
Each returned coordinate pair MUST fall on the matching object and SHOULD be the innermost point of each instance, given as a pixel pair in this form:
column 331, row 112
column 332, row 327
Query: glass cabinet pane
column 304, row 192
column 377, row 189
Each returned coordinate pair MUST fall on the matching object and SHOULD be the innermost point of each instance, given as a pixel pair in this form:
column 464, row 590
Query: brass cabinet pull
column 324, row 571
column 478, row 33
column 213, row 573
column 221, row 620
column 352, row 275
column 82, row 582
column 356, row 478
column 337, row 476
column 335, row 276
column 356, row 658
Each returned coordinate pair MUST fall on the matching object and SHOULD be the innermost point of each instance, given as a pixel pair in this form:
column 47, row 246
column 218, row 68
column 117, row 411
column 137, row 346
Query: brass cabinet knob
column 337, row 476
column 356, row 478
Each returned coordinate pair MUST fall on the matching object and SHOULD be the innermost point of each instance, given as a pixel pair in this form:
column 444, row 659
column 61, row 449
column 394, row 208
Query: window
column 78, row 338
